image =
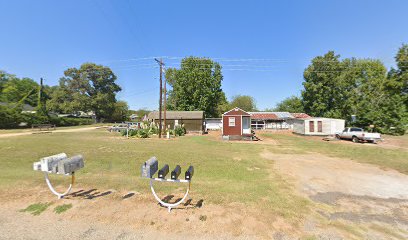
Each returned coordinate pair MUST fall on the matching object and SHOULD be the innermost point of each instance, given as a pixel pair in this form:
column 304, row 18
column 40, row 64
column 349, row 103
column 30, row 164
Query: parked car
column 357, row 134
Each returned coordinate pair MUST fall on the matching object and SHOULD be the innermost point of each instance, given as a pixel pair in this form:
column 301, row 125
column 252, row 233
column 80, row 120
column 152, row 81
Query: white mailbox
column 59, row 164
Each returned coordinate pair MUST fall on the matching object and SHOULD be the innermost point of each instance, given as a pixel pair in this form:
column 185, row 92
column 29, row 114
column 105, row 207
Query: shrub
column 180, row 131
column 143, row 133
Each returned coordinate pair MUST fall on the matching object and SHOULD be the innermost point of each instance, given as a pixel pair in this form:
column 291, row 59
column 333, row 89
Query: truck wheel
column 355, row 139
column 337, row 136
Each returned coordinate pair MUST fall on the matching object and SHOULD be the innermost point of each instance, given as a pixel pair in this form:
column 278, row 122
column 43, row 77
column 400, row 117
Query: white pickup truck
column 357, row 134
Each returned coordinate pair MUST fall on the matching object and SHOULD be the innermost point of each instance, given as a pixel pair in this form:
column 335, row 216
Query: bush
column 143, row 133
column 9, row 118
column 65, row 122
column 179, row 131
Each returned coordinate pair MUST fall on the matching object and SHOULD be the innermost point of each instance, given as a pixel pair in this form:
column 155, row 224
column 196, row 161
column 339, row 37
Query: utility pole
column 165, row 97
column 160, row 62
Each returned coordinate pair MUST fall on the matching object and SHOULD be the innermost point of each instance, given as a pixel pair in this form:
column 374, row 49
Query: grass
column 225, row 172
column 387, row 158
column 113, row 162
column 37, row 208
column 62, row 208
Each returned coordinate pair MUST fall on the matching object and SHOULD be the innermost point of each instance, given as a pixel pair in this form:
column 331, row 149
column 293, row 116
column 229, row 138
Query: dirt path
column 6, row 135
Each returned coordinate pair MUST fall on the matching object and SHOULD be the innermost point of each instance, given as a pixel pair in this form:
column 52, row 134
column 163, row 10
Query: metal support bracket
column 169, row 205
column 59, row 195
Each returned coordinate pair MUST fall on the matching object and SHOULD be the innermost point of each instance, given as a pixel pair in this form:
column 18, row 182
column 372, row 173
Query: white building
column 318, row 126
column 213, row 124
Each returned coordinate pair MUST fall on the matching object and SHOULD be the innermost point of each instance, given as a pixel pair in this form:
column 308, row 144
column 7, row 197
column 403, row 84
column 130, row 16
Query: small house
column 236, row 125
column 318, row 126
column 193, row 121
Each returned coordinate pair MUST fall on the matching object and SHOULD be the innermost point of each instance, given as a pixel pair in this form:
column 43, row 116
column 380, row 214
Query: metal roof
column 178, row 115
column 279, row 115
column 300, row 115
column 264, row 116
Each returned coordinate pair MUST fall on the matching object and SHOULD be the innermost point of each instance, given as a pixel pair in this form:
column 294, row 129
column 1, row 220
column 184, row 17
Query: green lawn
column 365, row 153
column 225, row 172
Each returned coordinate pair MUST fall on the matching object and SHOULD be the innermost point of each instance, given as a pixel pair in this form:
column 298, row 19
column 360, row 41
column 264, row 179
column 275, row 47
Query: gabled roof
column 300, row 115
column 237, row 111
column 177, row 115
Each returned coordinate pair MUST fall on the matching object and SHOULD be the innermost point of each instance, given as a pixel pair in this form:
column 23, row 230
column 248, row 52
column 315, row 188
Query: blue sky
column 43, row 38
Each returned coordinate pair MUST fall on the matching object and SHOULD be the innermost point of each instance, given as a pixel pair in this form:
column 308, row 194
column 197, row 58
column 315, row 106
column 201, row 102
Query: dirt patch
column 6, row 135
column 355, row 193
column 112, row 214
column 314, row 173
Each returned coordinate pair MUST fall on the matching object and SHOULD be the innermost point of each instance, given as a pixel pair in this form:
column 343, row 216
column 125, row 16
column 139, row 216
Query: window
column 319, row 126
column 231, row 121
column 311, row 126
column 356, row 130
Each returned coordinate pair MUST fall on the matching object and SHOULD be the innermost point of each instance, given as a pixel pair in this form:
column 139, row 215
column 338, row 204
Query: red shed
column 236, row 124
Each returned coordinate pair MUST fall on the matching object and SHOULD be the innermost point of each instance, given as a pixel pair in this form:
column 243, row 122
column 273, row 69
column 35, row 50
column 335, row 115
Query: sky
column 263, row 46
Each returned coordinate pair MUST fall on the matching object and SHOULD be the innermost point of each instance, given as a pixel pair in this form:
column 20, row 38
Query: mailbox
column 189, row 173
column 48, row 163
column 70, row 165
column 164, row 171
column 37, row 166
column 176, row 172
column 150, row 167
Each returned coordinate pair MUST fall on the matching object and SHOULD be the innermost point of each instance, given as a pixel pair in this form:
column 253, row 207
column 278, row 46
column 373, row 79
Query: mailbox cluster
column 150, row 167
column 59, row 164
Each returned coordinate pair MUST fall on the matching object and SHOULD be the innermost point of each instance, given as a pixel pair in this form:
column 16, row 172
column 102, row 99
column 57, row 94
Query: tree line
column 361, row 91
column 91, row 88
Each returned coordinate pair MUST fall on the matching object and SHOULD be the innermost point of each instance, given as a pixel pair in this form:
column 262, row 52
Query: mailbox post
column 153, row 164
column 62, row 165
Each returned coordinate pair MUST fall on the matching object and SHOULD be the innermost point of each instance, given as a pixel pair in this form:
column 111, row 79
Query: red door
column 311, row 126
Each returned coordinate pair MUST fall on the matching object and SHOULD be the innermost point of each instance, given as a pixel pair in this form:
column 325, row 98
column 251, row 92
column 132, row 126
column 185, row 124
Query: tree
column 245, row 102
column 291, row 104
column 321, row 86
column 90, row 88
column 360, row 87
column 14, row 89
column 196, row 86
column 121, row 112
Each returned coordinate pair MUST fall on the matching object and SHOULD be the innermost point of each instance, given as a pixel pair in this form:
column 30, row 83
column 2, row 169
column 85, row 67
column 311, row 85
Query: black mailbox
column 176, row 172
column 164, row 171
column 189, row 173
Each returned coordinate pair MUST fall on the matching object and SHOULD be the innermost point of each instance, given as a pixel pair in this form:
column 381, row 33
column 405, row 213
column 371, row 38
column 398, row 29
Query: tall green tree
column 14, row 89
column 321, row 86
column 92, row 87
column 245, row 102
column 361, row 87
column 196, row 86
column 121, row 112
column 291, row 104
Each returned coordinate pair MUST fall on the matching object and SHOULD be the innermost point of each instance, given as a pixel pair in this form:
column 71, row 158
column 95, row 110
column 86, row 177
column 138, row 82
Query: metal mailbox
column 189, row 173
column 176, row 172
column 47, row 163
column 164, row 171
column 59, row 164
column 150, row 167
column 70, row 165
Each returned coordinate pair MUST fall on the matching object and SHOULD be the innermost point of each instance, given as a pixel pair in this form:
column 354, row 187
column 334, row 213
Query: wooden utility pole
column 164, row 113
column 161, row 95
